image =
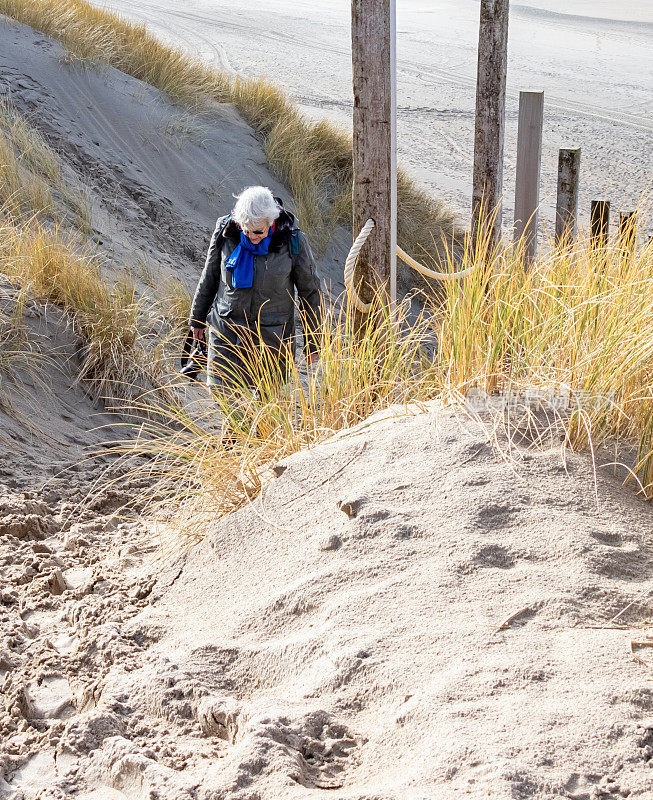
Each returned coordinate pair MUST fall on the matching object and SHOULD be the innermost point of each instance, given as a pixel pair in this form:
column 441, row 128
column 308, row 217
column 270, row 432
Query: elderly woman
column 246, row 293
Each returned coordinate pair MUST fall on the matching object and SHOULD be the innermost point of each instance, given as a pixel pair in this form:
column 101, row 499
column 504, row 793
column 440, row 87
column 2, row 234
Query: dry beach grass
column 31, row 180
column 14, row 352
column 576, row 327
column 44, row 256
column 563, row 347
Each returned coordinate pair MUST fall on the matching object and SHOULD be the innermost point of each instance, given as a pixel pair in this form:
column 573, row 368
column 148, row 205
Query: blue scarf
column 241, row 261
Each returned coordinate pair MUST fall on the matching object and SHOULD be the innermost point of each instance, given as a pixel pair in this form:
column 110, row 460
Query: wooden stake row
column 527, row 184
column 600, row 225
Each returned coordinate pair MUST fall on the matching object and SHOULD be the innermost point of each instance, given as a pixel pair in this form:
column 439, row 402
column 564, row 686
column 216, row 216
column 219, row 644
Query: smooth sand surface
column 592, row 59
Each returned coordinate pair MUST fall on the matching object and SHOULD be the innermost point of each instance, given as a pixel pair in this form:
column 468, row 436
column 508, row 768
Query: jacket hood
column 284, row 225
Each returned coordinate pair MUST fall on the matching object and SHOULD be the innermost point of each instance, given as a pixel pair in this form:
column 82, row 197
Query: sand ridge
column 157, row 175
column 377, row 598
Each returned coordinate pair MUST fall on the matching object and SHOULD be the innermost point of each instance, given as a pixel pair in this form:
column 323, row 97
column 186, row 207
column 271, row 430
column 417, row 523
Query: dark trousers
column 238, row 357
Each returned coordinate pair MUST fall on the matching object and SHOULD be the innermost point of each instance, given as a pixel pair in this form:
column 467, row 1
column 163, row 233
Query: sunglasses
column 254, row 233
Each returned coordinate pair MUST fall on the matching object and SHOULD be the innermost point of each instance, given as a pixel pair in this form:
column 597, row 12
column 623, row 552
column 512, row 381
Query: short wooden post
column 599, row 222
column 490, row 120
column 627, row 230
column 374, row 144
column 527, row 181
column 567, row 199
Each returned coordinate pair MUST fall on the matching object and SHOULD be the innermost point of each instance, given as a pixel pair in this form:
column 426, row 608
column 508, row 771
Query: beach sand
column 591, row 59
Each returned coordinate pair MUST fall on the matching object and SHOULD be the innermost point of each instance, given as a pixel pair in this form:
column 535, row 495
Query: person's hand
column 198, row 334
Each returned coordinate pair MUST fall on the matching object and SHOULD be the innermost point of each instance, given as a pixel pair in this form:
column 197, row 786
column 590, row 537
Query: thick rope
column 431, row 273
column 350, row 264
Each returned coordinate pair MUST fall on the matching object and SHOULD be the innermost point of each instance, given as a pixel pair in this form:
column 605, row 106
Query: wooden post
column 374, row 144
column 490, row 120
column 567, row 202
column 393, row 152
column 627, row 230
column 527, row 181
column 599, row 222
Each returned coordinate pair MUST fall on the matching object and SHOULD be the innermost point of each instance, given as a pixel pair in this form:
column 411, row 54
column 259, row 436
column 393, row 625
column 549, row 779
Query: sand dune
column 405, row 613
column 158, row 175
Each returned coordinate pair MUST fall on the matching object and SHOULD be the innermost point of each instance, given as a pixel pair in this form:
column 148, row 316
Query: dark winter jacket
column 270, row 302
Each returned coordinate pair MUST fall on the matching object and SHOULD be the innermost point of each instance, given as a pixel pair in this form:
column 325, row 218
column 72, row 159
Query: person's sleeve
column 308, row 290
column 209, row 281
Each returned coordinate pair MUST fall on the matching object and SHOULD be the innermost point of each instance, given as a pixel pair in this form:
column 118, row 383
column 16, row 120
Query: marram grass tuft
column 573, row 331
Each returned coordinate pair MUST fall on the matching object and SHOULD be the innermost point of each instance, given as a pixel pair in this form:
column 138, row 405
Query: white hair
column 255, row 204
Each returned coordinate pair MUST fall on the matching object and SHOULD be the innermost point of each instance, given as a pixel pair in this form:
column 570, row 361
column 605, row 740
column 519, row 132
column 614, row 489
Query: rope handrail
column 350, row 264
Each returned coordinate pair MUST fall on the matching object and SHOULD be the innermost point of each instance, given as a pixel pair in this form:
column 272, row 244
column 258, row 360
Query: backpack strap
column 225, row 222
column 293, row 245
column 293, row 250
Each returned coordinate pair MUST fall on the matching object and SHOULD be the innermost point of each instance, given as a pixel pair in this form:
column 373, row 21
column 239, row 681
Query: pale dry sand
column 402, row 614
column 592, row 59
column 342, row 635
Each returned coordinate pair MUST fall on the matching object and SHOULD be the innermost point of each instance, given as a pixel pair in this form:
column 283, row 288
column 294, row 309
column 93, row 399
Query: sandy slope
column 61, row 532
column 158, row 177
column 47, row 421
column 592, row 59
column 71, row 568
column 344, row 633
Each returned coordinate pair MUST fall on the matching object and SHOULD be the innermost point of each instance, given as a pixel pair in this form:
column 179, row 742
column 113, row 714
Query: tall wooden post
column 374, row 146
column 492, row 67
column 393, row 152
column 599, row 222
column 527, row 181
column 567, row 201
